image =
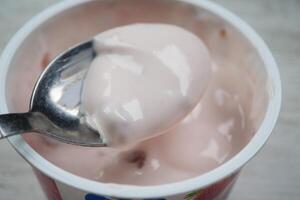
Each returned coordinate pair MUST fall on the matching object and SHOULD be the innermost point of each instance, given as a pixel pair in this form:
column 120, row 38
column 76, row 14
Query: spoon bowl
column 55, row 102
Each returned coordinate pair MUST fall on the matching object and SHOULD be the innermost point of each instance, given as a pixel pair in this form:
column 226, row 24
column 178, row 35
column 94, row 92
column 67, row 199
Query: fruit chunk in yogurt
column 144, row 80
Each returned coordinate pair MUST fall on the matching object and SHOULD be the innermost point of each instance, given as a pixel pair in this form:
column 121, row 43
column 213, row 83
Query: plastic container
column 44, row 37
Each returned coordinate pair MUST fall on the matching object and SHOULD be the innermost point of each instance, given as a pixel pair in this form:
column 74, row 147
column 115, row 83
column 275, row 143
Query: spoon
column 55, row 102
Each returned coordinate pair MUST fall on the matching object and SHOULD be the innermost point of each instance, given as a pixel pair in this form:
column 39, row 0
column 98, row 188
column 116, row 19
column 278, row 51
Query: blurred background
column 272, row 175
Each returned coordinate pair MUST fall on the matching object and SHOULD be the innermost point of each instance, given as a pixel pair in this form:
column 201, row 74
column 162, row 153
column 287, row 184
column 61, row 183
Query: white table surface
column 272, row 175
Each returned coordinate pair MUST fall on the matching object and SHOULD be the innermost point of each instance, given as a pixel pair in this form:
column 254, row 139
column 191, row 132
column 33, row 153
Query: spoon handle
column 17, row 123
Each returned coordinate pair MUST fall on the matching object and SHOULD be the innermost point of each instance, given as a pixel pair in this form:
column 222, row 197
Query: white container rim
column 126, row 191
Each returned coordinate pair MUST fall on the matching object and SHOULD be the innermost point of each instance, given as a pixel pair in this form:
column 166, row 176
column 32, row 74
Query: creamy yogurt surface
column 217, row 129
column 144, row 80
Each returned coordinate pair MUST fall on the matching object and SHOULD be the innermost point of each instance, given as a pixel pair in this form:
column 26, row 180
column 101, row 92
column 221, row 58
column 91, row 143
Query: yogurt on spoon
column 144, row 80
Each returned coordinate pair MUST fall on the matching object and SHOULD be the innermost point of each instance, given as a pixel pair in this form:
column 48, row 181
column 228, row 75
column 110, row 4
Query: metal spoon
column 54, row 109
